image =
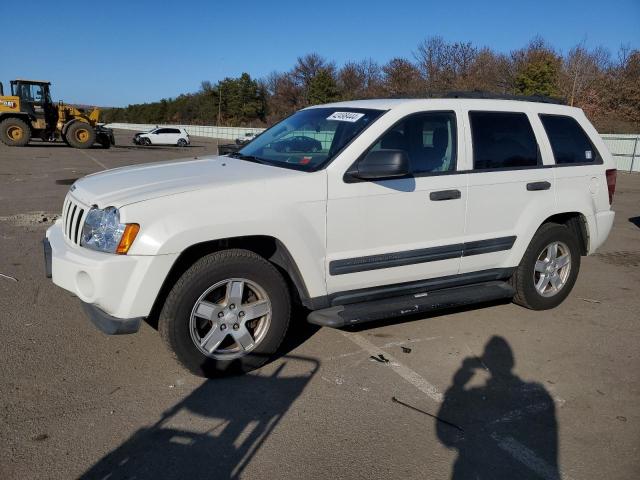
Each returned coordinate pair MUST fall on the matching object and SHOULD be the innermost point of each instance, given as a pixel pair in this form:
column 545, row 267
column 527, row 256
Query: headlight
column 103, row 231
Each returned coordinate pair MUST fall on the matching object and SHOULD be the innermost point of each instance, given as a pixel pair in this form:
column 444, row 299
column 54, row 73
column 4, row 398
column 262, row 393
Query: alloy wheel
column 230, row 319
column 552, row 269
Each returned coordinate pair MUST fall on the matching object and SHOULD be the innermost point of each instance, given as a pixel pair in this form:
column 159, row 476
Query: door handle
column 445, row 195
column 534, row 186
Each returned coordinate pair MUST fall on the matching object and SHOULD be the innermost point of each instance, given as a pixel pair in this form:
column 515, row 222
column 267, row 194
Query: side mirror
column 382, row 164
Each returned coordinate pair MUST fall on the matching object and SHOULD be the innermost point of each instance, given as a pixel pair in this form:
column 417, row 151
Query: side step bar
column 388, row 308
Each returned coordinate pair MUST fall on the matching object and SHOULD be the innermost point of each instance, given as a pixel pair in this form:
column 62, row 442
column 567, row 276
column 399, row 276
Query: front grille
column 72, row 219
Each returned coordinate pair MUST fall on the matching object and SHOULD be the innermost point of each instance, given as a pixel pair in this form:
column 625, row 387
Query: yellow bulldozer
column 28, row 112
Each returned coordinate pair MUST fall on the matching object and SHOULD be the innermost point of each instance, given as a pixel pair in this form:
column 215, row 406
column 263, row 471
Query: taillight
column 611, row 183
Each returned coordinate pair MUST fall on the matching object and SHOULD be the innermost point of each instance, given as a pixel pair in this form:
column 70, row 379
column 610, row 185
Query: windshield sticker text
column 345, row 116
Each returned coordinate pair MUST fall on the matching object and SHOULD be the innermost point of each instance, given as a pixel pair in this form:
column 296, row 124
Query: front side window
column 569, row 143
column 429, row 139
column 308, row 139
column 502, row 140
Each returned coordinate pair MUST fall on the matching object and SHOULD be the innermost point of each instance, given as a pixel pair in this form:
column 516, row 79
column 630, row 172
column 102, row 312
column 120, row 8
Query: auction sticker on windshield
column 345, row 116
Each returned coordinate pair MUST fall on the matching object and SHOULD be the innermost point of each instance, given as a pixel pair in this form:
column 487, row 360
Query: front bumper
column 118, row 288
column 108, row 324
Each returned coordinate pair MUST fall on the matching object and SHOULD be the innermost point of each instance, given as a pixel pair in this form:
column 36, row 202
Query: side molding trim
column 422, row 255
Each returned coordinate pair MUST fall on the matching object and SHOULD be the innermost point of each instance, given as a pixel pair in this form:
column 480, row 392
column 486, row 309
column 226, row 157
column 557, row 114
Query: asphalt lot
column 74, row 402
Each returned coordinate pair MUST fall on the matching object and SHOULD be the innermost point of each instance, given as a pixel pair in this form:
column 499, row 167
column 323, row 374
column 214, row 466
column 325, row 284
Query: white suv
column 408, row 206
column 163, row 136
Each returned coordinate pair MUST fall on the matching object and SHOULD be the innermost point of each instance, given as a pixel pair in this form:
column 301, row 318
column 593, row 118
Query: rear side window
column 173, row 130
column 502, row 140
column 570, row 144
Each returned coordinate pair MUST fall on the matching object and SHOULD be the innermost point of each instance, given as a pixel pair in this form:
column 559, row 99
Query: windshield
column 308, row 139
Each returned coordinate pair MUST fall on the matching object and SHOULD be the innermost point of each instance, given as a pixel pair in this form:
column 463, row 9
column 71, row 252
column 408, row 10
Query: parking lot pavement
column 547, row 395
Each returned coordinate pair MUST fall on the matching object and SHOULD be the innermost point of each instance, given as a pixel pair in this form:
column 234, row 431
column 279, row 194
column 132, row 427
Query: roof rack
column 479, row 94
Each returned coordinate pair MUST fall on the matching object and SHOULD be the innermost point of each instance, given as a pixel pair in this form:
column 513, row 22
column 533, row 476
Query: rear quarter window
column 569, row 142
column 502, row 140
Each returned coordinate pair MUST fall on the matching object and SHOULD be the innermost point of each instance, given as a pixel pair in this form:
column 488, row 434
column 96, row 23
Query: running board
column 388, row 308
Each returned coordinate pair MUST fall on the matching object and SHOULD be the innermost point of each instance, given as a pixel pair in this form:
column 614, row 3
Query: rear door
column 172, row 136
column 392, row 231
column 511, row 188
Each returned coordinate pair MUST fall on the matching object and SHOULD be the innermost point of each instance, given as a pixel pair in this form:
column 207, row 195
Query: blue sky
column 118, row 52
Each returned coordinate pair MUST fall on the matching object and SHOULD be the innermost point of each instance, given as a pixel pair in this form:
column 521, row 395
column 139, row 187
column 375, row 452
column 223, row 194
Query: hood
column 126, row 185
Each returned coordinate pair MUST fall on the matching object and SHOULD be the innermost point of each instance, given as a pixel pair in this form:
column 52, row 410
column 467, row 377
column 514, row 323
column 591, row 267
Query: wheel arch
column 577, row 223
column 19, row 115
column 268, row 247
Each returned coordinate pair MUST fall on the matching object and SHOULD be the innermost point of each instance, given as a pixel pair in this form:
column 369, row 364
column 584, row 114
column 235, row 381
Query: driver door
column 386, row 232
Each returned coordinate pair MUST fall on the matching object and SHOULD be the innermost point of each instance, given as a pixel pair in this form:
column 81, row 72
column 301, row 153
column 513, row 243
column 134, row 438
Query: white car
column 415, row 205
column 163, row 136
column 246, row 139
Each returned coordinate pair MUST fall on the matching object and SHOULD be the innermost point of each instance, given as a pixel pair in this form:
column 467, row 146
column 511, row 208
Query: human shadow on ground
column 505, row 428
column 214, row 432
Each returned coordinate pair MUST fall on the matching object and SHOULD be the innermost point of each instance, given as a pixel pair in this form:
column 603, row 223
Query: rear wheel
column 227, row 314
column 81, row 135
column 549, row 268
column 182, row 142
column 14, row 132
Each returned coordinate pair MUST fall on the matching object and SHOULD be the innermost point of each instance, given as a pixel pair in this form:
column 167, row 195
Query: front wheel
column 549, row 268
column 80, row 135
column 227, row 314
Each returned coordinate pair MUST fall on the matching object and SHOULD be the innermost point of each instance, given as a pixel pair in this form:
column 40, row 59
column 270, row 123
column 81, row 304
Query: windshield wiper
column 250, row 158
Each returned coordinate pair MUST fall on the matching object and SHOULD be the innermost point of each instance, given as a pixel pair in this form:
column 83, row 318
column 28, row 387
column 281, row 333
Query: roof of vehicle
column 25, row 80
column 515, row 103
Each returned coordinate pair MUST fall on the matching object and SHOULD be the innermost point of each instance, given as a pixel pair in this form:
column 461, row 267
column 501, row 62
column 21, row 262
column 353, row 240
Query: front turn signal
column 128, row 236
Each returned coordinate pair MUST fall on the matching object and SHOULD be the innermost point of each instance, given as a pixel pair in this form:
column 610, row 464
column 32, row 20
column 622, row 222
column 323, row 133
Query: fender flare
column 282, row 258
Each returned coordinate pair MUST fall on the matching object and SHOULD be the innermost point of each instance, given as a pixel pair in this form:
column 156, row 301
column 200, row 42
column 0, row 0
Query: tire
column 15, row 132
column 205, row 287
column 182, row 142
column 540, row 281
column 64, row 139
column 80, row 135
column 146, row 142
column 104, row 141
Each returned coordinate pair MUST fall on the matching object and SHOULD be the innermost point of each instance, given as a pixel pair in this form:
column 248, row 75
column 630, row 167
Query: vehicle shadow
column 504, row 428
column 635, row 221
column 238, row 413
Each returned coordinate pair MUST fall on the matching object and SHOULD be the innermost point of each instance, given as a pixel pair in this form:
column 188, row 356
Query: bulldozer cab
column 32, row 92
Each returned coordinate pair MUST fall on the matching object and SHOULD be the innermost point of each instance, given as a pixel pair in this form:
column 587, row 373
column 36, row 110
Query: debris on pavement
column 8, row 277
column 590, row 300
column 394, row 399
column 406, row 349
column 380, row 358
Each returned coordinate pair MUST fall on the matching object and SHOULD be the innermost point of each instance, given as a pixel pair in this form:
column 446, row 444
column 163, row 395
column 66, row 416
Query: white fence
column 226, row 133
column 624, row 148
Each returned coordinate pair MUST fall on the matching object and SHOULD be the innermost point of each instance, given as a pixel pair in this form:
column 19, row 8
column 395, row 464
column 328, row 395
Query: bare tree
column 583, row 68
column 360, row 79
column 401, row 77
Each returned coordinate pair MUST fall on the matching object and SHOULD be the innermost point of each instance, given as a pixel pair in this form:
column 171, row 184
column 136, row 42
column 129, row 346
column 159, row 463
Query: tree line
column 605, row 85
